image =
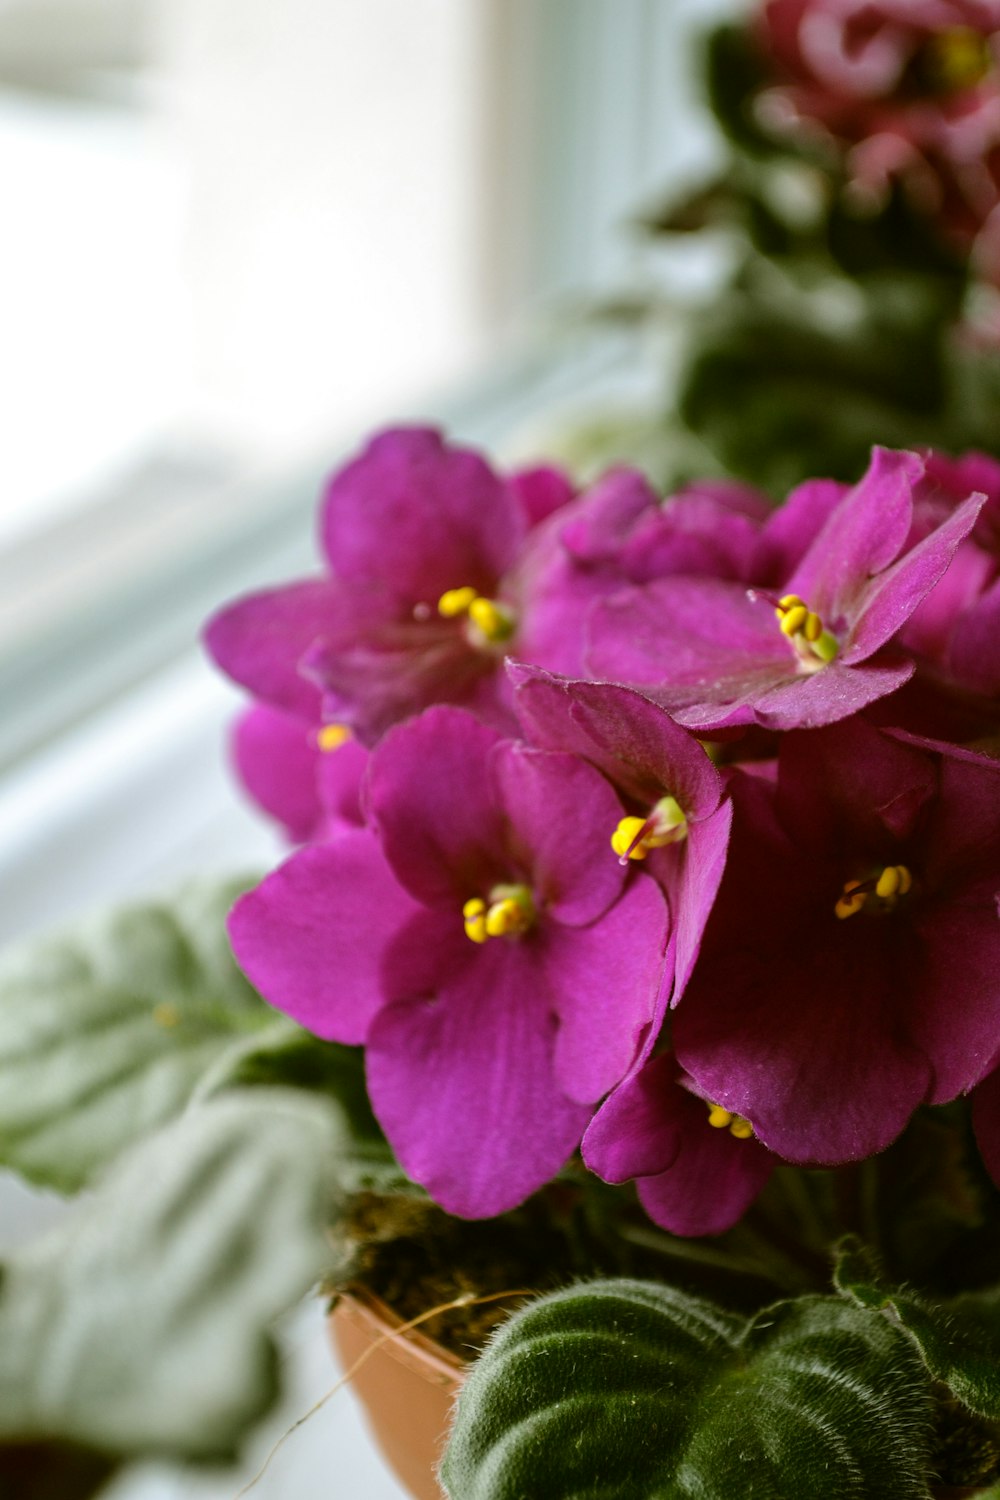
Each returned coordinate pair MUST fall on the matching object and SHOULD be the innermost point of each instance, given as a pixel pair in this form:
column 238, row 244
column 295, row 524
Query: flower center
column 877, row 894
column 634, row 837
column 510, row 912
column 490, row 622
column 331, row 736
column 814, row 644
column 955, row 59
column 722, row 1119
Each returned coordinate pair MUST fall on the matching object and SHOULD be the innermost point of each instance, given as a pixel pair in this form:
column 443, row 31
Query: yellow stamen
column 455, row 602
column 624, row 837
column 332, row 736
column 891, row 881
column 510, row 912
column 740, row 1128
column 815, row 645
column 956, row 59
column 719, row 1118
column 491, row 619
column 666, row 824
column 474, row 913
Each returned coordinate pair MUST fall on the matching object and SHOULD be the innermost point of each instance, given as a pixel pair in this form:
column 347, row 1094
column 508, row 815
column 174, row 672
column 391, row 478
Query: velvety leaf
column 140, row 1324
column 625, row 1388
column 286, row 1056
column 105, row 1031
column 958, row 1338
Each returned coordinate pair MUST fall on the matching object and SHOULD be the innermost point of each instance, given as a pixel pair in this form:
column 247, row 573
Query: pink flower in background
column 908, row 90
column 308, row 780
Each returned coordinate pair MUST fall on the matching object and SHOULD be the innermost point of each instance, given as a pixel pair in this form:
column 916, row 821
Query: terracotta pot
column 407, row 1386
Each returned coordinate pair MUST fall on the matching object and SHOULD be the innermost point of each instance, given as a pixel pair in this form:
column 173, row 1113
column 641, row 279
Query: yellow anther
column 666, row 824
column 890, row 882
column 719, row 1118
column 491, row 619
column 455, row 602
column 332, row 736
column 474, row 913
column 957, row 58
column 740, row 1128
column 804, row 628
column 625, row 835
column 504, row 917
column 792, row 620
column 509, row 913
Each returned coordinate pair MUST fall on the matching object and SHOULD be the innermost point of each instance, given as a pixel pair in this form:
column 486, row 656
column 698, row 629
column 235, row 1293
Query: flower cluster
column 909, row 91
column 666, row 830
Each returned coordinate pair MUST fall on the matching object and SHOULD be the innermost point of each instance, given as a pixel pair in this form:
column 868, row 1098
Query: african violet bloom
column 500, row 973
column 620, row 531
column 807, row 650
column 697, row 1166
column 679, row 818
column 955, row 631
column 910, row 89
column 421, row 599
column 850, row 970
column 308, row 780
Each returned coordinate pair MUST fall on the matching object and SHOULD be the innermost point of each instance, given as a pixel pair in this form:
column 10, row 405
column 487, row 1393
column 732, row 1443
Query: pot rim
column 412, row 1348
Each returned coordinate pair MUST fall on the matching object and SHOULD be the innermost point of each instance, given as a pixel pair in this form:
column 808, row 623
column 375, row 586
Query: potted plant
column 625, row 1016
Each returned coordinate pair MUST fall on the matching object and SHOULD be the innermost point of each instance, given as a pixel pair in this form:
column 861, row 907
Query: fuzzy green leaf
column 958, row 1338
column 628, row 1389
column 140, row 1325
column 105, row 1031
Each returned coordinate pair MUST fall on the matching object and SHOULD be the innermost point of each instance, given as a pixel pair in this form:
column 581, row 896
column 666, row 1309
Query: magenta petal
column 277, row 760
column 610, row 984
column 542, row 490
column 260, row 642
column 417, row 517
column 601, row 519
column 339, row 778
column 959, row 962
column 864, row 534
column 631, row 739
column 313, row 935
column 974, row 657
column 430, row 796
column 986, row 1122
column 702, row 635
column 791, row 529
column 635, row 1133
column 561, row 814
column 690, row 873
column 895, row 595
column 461, row 1082
column 713, row 1181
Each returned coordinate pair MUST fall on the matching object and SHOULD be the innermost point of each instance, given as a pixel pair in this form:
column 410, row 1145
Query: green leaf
column 958, row 1338
column 630, row 1389
column 141, row 1324
column 105, row 1032
column 286, row 1056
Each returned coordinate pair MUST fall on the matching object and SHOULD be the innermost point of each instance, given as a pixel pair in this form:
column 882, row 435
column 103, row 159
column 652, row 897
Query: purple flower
column 421, row 599
column 620, row 532
column 678, row 821
column 698, row 1167
column 308, row 780
column 809, row 649
column 500, row 973
column 850, row 970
